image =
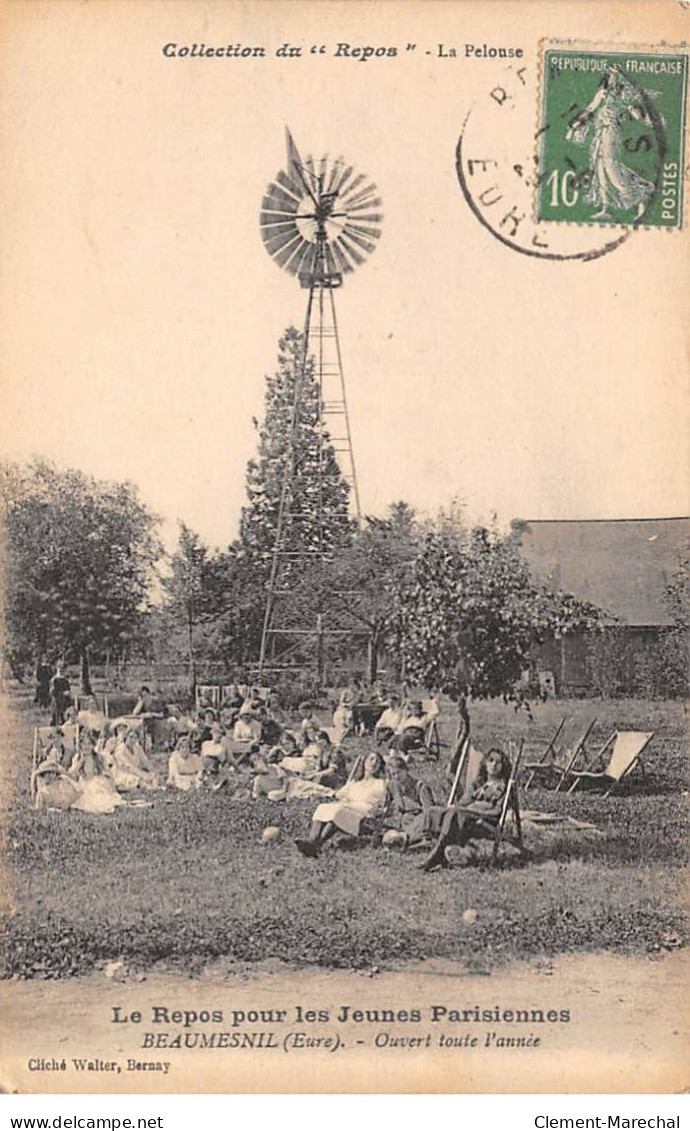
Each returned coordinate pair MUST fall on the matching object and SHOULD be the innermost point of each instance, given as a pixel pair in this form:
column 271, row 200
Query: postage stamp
column 612, row 132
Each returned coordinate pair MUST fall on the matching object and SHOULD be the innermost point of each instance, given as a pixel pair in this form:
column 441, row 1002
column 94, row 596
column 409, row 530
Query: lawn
column 188, row 881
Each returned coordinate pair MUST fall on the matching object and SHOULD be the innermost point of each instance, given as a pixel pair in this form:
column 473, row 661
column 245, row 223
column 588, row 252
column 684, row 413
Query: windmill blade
column 355, row 184
column 360, row 241
column 295, row 188
column 292, row 265
column 351, row 250
column 365, row 217
column 342, row 259
column 331, row 265
column 365, row 206
column 358, row 199
column 341, row 180
column 278, row 199
column 275, row 244
column 283, row 255
column 335, row 172
column 303, row 259
column 363, row 229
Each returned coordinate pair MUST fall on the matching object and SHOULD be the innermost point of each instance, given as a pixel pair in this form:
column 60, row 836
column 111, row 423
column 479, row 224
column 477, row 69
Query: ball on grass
column 393, row 839
column 270, row 835
column 469, row 916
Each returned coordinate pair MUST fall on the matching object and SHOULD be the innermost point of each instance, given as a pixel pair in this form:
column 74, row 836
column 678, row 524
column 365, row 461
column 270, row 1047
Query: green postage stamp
column 612, row 134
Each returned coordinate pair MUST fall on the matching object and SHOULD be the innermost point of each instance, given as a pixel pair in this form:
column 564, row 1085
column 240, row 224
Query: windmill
column 319, row 221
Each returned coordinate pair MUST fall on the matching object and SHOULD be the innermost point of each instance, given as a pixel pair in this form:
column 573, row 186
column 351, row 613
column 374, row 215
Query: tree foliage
column 471, row 613
column 316, row 516
column 316, row 525
column 368, row 576
column 79, row 561
column 187, row 590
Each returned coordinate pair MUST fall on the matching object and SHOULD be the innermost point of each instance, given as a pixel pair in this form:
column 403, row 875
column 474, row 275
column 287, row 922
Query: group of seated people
column 385, row 794
column 93, row 765
column 89, row 769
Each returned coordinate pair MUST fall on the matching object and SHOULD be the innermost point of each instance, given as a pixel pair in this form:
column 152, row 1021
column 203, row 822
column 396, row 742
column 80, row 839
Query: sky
column 142, row 311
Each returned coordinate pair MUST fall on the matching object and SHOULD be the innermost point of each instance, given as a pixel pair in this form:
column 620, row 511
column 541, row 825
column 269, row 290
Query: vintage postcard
column 346, row 546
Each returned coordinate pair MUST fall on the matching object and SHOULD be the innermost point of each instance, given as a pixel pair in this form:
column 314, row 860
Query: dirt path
column 628, row 1030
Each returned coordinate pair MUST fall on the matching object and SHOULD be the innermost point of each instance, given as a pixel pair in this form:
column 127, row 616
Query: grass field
column 188, row 881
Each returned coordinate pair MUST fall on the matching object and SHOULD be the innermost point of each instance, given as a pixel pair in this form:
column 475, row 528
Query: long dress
column 98, row 794
column 184, row 773
column 353, row 803
column 131, row 769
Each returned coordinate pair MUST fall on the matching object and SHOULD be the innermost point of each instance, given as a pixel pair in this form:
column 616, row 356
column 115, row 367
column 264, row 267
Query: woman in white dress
column 131, row 768
column 353, row 803
column 97, row 791
column 184, row 766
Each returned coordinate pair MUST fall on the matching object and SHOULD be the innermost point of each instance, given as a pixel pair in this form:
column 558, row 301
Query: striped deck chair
column 624, row 751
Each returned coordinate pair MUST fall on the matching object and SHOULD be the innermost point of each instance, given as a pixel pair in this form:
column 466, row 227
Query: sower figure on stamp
column 614, row 184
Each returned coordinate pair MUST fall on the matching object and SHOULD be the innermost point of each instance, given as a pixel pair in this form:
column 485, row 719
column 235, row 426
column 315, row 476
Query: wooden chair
column 624, row 751
column 546, row 767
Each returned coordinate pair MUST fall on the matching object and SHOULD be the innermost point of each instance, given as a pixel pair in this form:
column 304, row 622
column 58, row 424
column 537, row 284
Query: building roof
column 620, row 565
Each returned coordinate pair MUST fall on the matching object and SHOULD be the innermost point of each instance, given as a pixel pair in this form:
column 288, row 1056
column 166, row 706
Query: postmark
column 611, row 136
column 498, row 169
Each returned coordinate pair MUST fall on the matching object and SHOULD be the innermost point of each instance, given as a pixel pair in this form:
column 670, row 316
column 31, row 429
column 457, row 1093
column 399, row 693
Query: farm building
column 623, row 567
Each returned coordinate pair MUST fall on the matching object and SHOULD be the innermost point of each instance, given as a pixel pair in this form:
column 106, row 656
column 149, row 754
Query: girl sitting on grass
column 97, row 792
column 357, row 800
column 131, row 767
column 184, row 765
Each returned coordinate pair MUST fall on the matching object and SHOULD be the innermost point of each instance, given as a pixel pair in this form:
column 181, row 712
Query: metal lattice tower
column 318, row 221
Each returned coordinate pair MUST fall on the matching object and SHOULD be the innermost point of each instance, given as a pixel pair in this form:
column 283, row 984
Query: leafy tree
column 79, row 562
column 370, row 573
column 316, row 514
column 185, row 588
column 312, row 498
column 471, row 612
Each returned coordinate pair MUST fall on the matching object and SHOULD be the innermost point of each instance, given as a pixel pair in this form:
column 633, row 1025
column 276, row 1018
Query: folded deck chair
column 624, row 751
column 546, row 766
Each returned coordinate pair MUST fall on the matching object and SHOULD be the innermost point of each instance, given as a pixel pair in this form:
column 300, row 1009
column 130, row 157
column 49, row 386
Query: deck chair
column 430, row 744
column 546, row 767
column 207, row 695
column 487, row 830
column 624, row 750
column 41, row 744
column 466, row 771
column 510, row 811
